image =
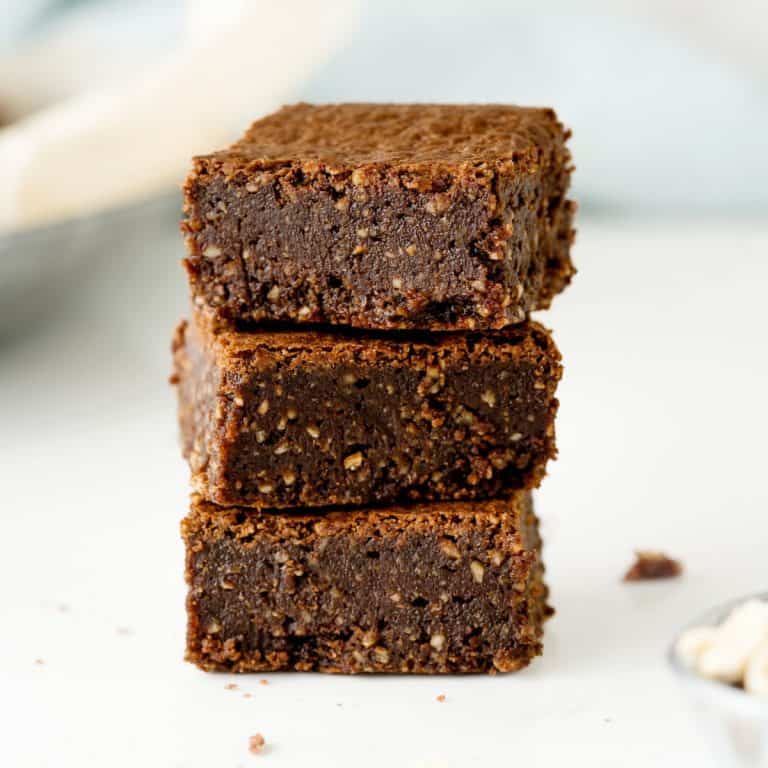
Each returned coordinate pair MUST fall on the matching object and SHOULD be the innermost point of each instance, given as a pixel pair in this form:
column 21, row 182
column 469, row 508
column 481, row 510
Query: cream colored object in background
column 756, row 673
column 237, row 60
column 735, row 651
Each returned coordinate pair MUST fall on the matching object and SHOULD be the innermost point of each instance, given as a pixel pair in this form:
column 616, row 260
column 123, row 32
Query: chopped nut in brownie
column 650, row 565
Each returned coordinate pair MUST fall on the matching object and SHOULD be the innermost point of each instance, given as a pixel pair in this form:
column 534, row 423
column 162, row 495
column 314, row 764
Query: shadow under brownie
column 305, row 419
column 384, row 216
column 440, row 588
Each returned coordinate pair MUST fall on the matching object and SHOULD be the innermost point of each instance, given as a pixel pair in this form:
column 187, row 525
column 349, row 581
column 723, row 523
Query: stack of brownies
column 364, row 403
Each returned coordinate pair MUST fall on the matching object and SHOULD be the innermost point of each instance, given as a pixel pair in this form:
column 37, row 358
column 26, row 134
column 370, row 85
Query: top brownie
column 383, row 216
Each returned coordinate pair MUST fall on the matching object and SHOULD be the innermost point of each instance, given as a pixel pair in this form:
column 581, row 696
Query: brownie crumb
column 263, row 681
column 247, row 695
column 256, row 744
column 653, row 565
column 124, row 631
column 39, row 662
column 230, row 687
column 441, row 698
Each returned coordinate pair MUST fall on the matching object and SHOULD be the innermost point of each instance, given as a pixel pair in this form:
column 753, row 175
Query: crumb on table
column 256, row 744
column 441, row 697
column 651, row 565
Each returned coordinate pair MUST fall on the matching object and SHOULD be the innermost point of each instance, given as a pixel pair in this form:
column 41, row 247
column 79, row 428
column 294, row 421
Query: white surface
column 661, row 435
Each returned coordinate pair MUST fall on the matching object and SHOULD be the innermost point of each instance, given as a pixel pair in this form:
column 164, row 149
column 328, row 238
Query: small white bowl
column 735, row 722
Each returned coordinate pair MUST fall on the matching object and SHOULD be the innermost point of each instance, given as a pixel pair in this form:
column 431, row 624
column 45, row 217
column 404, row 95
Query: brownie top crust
column 234, row 349
column 507, row 515
column 419, row 137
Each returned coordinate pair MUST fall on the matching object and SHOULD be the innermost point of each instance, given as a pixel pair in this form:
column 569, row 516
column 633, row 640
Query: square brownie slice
column 384, row 216
column 278, row 419
column 448, row 587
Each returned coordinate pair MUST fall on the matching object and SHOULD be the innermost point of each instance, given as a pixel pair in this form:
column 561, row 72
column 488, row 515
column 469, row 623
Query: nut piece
column 449, row 549
column 313, row 431
column 353, row 461
column 756, row 673
column 736, row 639
column 478, row 571
column 693, row 642
column 437, row 641
column 263, row 407
column 489, row 398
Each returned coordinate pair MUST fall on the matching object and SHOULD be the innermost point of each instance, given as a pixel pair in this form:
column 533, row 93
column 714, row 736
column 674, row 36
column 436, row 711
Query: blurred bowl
column 736, row 722
column 43, row 269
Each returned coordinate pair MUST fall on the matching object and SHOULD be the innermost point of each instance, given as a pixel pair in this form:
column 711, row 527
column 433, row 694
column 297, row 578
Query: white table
column 661, row 435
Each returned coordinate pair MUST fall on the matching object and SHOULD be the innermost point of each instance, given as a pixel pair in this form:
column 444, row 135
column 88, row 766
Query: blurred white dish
column 735, row 721
column 132, row 138
column 43, row 267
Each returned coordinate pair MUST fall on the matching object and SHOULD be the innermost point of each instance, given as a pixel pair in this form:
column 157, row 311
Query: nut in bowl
column 721, row 660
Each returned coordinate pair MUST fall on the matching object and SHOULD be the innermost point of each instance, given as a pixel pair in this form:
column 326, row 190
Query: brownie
column 278, row 419
column 650, row 565
column 383, row 216
column 449, row 587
